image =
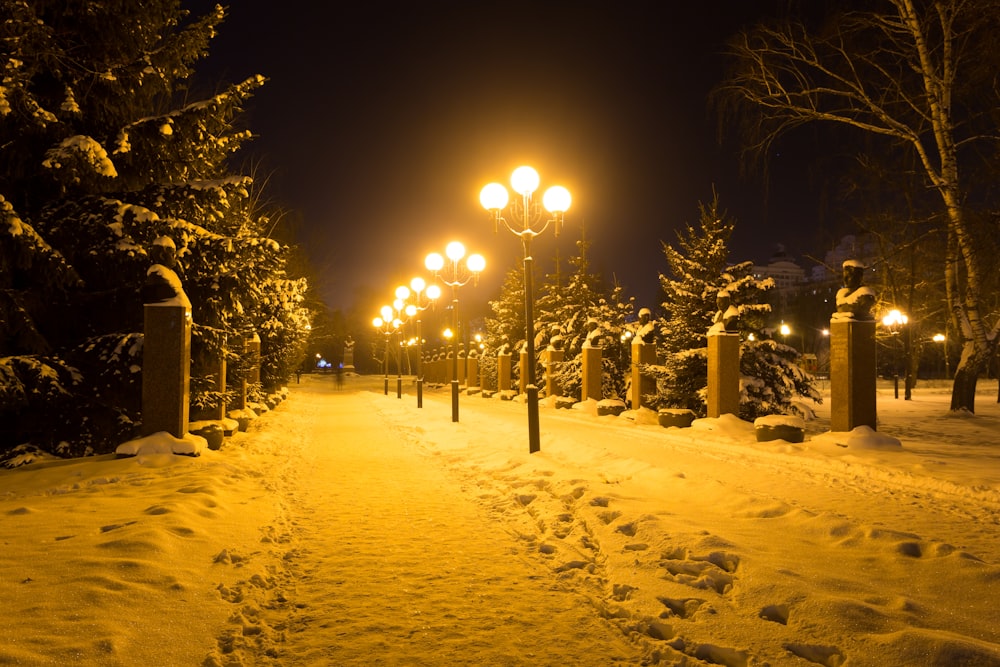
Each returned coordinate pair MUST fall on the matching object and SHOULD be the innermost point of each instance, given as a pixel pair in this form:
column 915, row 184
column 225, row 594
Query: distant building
column 787, row 275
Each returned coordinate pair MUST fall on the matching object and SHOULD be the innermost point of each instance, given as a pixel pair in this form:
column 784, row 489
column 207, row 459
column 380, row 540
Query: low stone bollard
column 675, row 417
column 779, row 427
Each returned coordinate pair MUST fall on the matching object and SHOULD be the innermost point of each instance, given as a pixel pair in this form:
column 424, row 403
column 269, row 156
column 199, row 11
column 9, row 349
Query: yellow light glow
column 557, row 199
column 938, row 338
column 418, row 284
column 493, row 197
column 411, row 310
column 377, row 322
column 455, row 251
column 434, row 262
column 398, row 304
column 894, row 318
column 524, row 180
column 433, row 292
column 476, row 263
column 403, row 292
column 448, row 334
column 386, row 313
column 785, row 330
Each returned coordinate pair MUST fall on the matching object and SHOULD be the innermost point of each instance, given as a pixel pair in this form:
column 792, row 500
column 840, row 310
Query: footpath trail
column 378, row 557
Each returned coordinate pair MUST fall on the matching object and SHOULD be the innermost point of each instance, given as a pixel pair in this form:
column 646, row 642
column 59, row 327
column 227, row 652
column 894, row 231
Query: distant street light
column 385, row 325
column 941, row 338
column 528, row 222
column 895, row 321
column 422, row 291
column 455, row 275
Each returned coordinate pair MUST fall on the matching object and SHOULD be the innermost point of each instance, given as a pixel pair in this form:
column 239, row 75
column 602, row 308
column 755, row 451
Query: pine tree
column 104, row 153
column 698, row 270
column 569, row 308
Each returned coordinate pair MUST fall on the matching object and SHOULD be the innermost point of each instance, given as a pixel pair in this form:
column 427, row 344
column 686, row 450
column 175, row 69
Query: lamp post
column 895, row 321
column 384, row 325
column 941, row 338
column 528, row 221
column 455, row 275
column 421, row 290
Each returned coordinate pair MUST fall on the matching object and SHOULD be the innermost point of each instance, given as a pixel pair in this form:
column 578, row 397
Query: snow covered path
column 379, row 558
column 351, row 528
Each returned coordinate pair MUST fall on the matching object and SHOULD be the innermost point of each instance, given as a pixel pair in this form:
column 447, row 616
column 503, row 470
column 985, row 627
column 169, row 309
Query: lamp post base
column 399, row 387
column 420, row 392
column 454, row 400
column 534, row 437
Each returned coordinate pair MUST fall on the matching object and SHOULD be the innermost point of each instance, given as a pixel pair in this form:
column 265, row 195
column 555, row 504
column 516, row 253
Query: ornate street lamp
column 528, row 221
column 425, row 296
column 455, row 275
column 386, row 325
column 895, row 321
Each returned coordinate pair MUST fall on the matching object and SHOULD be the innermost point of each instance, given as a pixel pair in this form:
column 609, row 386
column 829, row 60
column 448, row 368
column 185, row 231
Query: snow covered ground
column 350, row 528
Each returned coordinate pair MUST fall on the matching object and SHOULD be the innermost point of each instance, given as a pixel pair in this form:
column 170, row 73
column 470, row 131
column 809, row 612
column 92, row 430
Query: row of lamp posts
column 526, row 219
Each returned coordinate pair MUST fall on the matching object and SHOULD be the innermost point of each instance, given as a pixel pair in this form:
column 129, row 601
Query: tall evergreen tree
column 105, row 152
column 698, row 270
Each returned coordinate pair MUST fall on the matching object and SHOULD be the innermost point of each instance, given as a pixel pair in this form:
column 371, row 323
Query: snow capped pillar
column 723, row 374
column 852, row 374
column 592, row 370
column 553, row 358
column 642, row 353
column 503, row 372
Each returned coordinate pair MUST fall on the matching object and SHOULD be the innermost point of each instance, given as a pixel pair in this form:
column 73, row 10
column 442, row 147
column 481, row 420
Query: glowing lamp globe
column 556, row 199
column 524, row 180
column 476, row 263
column 418, row 284
column 434, row 262
column 433, row 292
column 493, row 197
column 455, row 251
column 403, row 292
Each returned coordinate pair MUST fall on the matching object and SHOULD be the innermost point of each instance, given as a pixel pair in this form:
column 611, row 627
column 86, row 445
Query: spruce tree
column 107, row 148
column 698, row 270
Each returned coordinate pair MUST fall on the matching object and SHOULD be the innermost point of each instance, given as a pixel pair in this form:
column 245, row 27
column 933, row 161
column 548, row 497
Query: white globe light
column 493, row 197
column 524, row 180
column 455, row 251
column 433, row 292
column 377, row 322
column 434, row 262
column 403, row 292
column 386, row 313
column 476, row 263
column 557, row 199
column 418, row 284
column 411, row 310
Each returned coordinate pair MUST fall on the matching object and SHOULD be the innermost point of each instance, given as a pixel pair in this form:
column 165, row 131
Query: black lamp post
column 528, row 222
column 425, row 296
column 455, row 275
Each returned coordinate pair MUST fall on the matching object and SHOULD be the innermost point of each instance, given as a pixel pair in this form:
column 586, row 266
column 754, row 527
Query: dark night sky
column 381, row 122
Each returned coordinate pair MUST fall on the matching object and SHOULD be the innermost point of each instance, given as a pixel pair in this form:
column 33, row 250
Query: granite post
column 642, row 383
column 852, row 374
column 592, row 370
column 723, row 374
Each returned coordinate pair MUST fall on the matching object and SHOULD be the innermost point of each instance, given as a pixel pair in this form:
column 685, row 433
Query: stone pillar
column 553, row 358
column 166, row 368
column 592, row 370
column 473, row 372
column 503, row 372
column 253, row 352
column 219, row 410
column 723, row 374
column 642, row 353
column 852, row 374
